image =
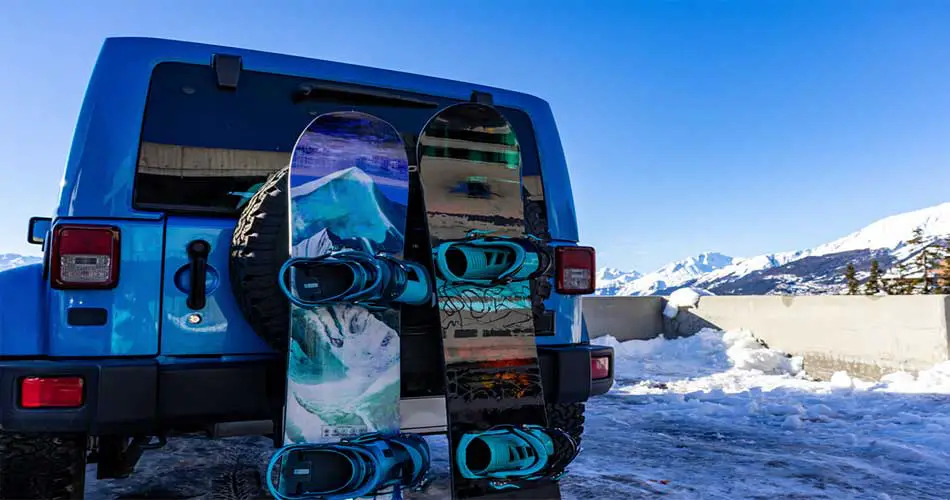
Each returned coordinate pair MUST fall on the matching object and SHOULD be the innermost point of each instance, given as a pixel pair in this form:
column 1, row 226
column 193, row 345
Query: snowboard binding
column 489, row 260
column 510, row 455
column 355, row 277
column 365, row 465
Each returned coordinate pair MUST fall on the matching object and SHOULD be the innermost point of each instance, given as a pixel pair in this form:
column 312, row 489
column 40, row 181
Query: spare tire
column 259, row 247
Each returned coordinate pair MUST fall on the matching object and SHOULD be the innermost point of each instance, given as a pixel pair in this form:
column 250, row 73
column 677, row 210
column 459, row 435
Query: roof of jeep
column 109, row 126
column 162, row 50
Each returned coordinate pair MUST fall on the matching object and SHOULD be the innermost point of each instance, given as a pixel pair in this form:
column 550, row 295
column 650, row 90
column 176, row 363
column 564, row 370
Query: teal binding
column 372, row 280
column 488, row 260
column 362, row 466
column 509, row 454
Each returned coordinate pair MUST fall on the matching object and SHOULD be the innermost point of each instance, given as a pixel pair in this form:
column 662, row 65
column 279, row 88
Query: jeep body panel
column 102, row 164
column 151, row 363
column 100, row 180
column 23, row 318
column 219, row 327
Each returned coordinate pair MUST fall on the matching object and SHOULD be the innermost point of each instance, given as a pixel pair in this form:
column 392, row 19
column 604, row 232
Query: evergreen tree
column 873, row 284
column 933, row 259
column 903, row 284
column 894, row 285
column 942, row 272
column 851, row 278
column 917, row 236
column 942, row 277
column 916, row 274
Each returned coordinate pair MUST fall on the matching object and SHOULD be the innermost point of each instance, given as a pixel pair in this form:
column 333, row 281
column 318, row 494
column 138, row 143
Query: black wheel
column 48, row 466
column 258, row 249
column 567, row 417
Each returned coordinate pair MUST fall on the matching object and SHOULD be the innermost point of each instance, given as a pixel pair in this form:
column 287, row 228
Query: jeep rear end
column 134, row 326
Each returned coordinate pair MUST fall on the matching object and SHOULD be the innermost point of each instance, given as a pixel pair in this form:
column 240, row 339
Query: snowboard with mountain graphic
column 348, row 196
column 470, row 172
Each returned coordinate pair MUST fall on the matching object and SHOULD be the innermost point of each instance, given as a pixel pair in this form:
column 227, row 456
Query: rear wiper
column 357, row 96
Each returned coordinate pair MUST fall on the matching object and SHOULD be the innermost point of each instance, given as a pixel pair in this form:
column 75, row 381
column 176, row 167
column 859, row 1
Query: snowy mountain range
column 818, row 270
column 8, row 260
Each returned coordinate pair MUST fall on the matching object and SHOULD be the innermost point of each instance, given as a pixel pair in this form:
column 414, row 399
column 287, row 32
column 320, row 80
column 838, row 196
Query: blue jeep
column 156, row 309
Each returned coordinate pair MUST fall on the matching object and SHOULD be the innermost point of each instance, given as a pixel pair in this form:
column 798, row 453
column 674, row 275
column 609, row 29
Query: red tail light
column 599, row 367
column 575, row 270
column 53, row 392
column 84, row 257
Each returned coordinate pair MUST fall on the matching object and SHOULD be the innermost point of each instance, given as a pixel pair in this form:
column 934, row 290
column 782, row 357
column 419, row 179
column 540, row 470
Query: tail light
column 599, row 367
column 84, row 257
column 52, row 392
column 575, row 270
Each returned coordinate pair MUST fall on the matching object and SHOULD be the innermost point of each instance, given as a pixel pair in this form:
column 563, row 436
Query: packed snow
column 716, row 416
column 682, row 297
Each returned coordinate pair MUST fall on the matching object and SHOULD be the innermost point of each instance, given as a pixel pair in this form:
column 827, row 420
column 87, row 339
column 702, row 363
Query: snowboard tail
column 345, row 280
column 470, row 171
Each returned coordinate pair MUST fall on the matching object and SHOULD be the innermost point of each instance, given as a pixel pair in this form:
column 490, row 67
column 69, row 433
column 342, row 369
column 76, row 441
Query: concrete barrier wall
column 626, row 318
column 867, row 336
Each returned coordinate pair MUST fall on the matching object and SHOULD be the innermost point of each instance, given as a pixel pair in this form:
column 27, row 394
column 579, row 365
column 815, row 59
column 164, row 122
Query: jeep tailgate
column 212, row 324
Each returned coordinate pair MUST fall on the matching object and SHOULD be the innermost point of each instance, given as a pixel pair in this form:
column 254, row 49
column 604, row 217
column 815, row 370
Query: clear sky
column 742, row 127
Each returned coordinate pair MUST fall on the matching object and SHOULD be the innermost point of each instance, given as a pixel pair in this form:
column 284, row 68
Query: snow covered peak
column 743, row 266
column 610, row 280
column 671, row 275
column 693, row 267
column 612, row 273
column 891, row 232
column 11, row 260
column 710, row 270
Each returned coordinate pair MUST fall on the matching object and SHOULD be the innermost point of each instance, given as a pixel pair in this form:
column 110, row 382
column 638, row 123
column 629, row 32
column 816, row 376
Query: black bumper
column 129, row 397
column 140, row 396
column 565, row 372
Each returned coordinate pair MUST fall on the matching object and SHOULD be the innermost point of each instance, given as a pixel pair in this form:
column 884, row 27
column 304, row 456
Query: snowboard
column 348, row 193
column 470, row 173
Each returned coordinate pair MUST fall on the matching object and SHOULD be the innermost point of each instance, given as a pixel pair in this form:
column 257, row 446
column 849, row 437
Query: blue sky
column 742, row 127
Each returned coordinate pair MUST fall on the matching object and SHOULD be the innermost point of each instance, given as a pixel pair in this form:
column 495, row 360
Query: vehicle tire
column 568, row 417
column 258, row 250
column 48, row 466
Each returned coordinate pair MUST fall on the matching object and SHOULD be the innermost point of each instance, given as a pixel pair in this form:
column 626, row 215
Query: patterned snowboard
column 470, row 171
column 349, row 187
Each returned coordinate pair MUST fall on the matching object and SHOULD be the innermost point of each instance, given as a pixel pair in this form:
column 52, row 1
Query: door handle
column 198, row 251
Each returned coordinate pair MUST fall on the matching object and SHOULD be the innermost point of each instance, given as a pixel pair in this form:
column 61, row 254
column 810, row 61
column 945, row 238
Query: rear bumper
column 565, row 372
column 142, row 396
column 129, row 397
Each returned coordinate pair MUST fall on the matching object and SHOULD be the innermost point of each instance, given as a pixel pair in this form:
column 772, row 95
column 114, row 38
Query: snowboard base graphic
column 470, row 171
column 348, row 197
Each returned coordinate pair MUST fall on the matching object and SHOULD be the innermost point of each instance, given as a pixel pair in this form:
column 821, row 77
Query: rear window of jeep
column 205, row 149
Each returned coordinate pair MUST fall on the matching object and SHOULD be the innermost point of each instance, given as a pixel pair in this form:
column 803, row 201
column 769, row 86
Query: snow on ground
column 712, row 416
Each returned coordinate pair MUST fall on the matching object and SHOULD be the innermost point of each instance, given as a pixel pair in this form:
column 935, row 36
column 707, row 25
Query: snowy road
column 714, row 416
